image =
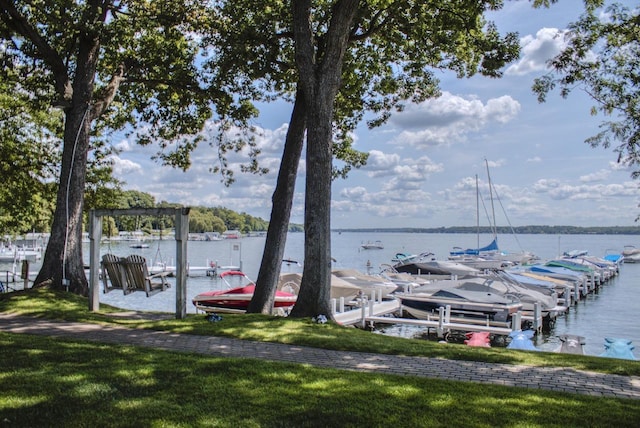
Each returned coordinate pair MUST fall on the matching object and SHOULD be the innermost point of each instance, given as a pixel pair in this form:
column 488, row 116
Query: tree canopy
column 110, row 65
column 601, row 58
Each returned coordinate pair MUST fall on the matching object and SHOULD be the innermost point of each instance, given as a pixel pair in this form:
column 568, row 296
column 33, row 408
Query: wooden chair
column 113, row 276
column 138, row 278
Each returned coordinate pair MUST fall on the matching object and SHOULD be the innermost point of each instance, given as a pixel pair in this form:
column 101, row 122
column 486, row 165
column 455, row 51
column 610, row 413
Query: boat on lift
column 236, row 299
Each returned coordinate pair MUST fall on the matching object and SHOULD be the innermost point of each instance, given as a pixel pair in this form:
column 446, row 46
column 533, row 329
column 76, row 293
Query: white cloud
column 538, row 50
column 449, row 119
column 595, row 176
column 124, row 166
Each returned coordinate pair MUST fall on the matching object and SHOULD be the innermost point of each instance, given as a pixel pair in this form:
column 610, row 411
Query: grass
column 54, row 382
column 65, row 306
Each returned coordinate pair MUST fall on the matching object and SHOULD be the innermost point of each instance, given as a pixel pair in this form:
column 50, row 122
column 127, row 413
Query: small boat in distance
column 377, row 245
column 236, row 300
column 631, row 254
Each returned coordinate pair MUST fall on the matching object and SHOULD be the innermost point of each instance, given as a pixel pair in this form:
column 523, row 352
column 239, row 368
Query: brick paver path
column 554, row 378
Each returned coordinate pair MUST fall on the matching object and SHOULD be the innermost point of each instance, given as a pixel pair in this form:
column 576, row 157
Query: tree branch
column 19, row 23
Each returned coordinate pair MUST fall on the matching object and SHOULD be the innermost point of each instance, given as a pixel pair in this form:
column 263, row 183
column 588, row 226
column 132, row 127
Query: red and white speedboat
column 236, row 299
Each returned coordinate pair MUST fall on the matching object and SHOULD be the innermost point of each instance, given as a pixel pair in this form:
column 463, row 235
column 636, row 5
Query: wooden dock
column 354, row 316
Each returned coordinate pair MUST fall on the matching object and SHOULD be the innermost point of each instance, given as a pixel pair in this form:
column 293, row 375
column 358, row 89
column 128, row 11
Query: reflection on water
column 611, row 312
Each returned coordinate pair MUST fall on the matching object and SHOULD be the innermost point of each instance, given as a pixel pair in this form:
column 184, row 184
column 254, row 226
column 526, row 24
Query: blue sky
column 423, row 163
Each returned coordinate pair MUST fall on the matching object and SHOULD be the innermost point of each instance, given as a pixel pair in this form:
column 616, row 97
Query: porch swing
column 131, row 274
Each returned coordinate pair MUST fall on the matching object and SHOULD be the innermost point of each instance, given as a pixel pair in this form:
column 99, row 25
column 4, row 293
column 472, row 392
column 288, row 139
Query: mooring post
column 516, row 321
column 440, row 329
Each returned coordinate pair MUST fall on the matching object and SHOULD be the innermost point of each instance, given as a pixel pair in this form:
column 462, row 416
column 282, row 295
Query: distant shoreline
column 534, row 230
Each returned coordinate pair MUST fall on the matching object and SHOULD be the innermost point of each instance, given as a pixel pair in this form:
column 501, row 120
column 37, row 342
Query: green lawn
column 54, row 382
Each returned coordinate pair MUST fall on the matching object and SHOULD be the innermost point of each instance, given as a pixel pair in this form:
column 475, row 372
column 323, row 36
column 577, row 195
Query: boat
column 489, row 256
column 468, row 304
column 631, row 254
column 505, row 286
column 443, row 268
column 377, row 245
column 139, row 245
column 614, row 256
column 340, row 289
column 236, row 299
column 367, row 283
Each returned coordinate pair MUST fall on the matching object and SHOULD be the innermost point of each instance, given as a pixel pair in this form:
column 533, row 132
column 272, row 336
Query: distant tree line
column 201, row 219
column 547, row 230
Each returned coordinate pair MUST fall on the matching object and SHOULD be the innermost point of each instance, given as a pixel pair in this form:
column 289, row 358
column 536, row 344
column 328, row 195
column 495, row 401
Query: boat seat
column 138, row 277
column 113, row 276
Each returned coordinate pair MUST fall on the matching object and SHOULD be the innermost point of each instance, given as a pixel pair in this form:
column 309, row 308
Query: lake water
column 609, row 313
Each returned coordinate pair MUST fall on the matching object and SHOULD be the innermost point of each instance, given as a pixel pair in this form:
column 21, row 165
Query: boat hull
column 236, row 300
column 425, row 306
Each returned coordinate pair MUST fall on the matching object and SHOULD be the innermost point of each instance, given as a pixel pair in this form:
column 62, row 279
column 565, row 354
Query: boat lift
column 371, row 311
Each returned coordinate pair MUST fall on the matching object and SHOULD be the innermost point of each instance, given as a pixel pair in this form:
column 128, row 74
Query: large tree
column 343, row 59
column 109, row 64
column 601, row 58
column 352, row 57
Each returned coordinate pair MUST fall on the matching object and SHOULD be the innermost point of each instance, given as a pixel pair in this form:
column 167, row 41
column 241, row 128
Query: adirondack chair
column 138, row 278
column 112, row 273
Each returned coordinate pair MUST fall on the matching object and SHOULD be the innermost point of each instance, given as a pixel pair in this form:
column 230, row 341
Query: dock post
column 567, row 297
column 537, row 317
column 516, row 323
column 342, row 304
column 371, row 305
column 333, row 306
column 440, row 329
column 576, row 294
column 363, row 308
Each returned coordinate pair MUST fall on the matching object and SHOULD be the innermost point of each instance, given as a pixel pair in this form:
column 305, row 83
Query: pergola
column 181, row 235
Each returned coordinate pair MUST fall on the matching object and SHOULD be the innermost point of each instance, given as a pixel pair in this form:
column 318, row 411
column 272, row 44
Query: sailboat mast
column 493, row 211
column 477, row 213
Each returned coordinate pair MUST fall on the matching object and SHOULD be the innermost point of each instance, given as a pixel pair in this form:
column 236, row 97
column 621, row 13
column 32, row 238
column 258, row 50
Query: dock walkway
column 557, row 379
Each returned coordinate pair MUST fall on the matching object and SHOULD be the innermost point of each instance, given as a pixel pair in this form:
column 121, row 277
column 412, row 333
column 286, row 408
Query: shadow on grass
column 66, row 383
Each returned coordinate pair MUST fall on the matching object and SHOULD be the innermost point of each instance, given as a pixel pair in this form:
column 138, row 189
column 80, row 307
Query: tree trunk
column 319, row 71
column 63, row 265
column 282, row 200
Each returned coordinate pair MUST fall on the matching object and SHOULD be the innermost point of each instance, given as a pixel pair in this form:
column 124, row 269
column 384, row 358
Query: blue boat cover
column 493, row 246
column 613, row 257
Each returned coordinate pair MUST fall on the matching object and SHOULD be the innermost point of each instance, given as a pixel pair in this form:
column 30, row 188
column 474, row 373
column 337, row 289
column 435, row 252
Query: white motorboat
column 377, row 245
column 469, row 304
column 290, row 282
column 631, row 254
